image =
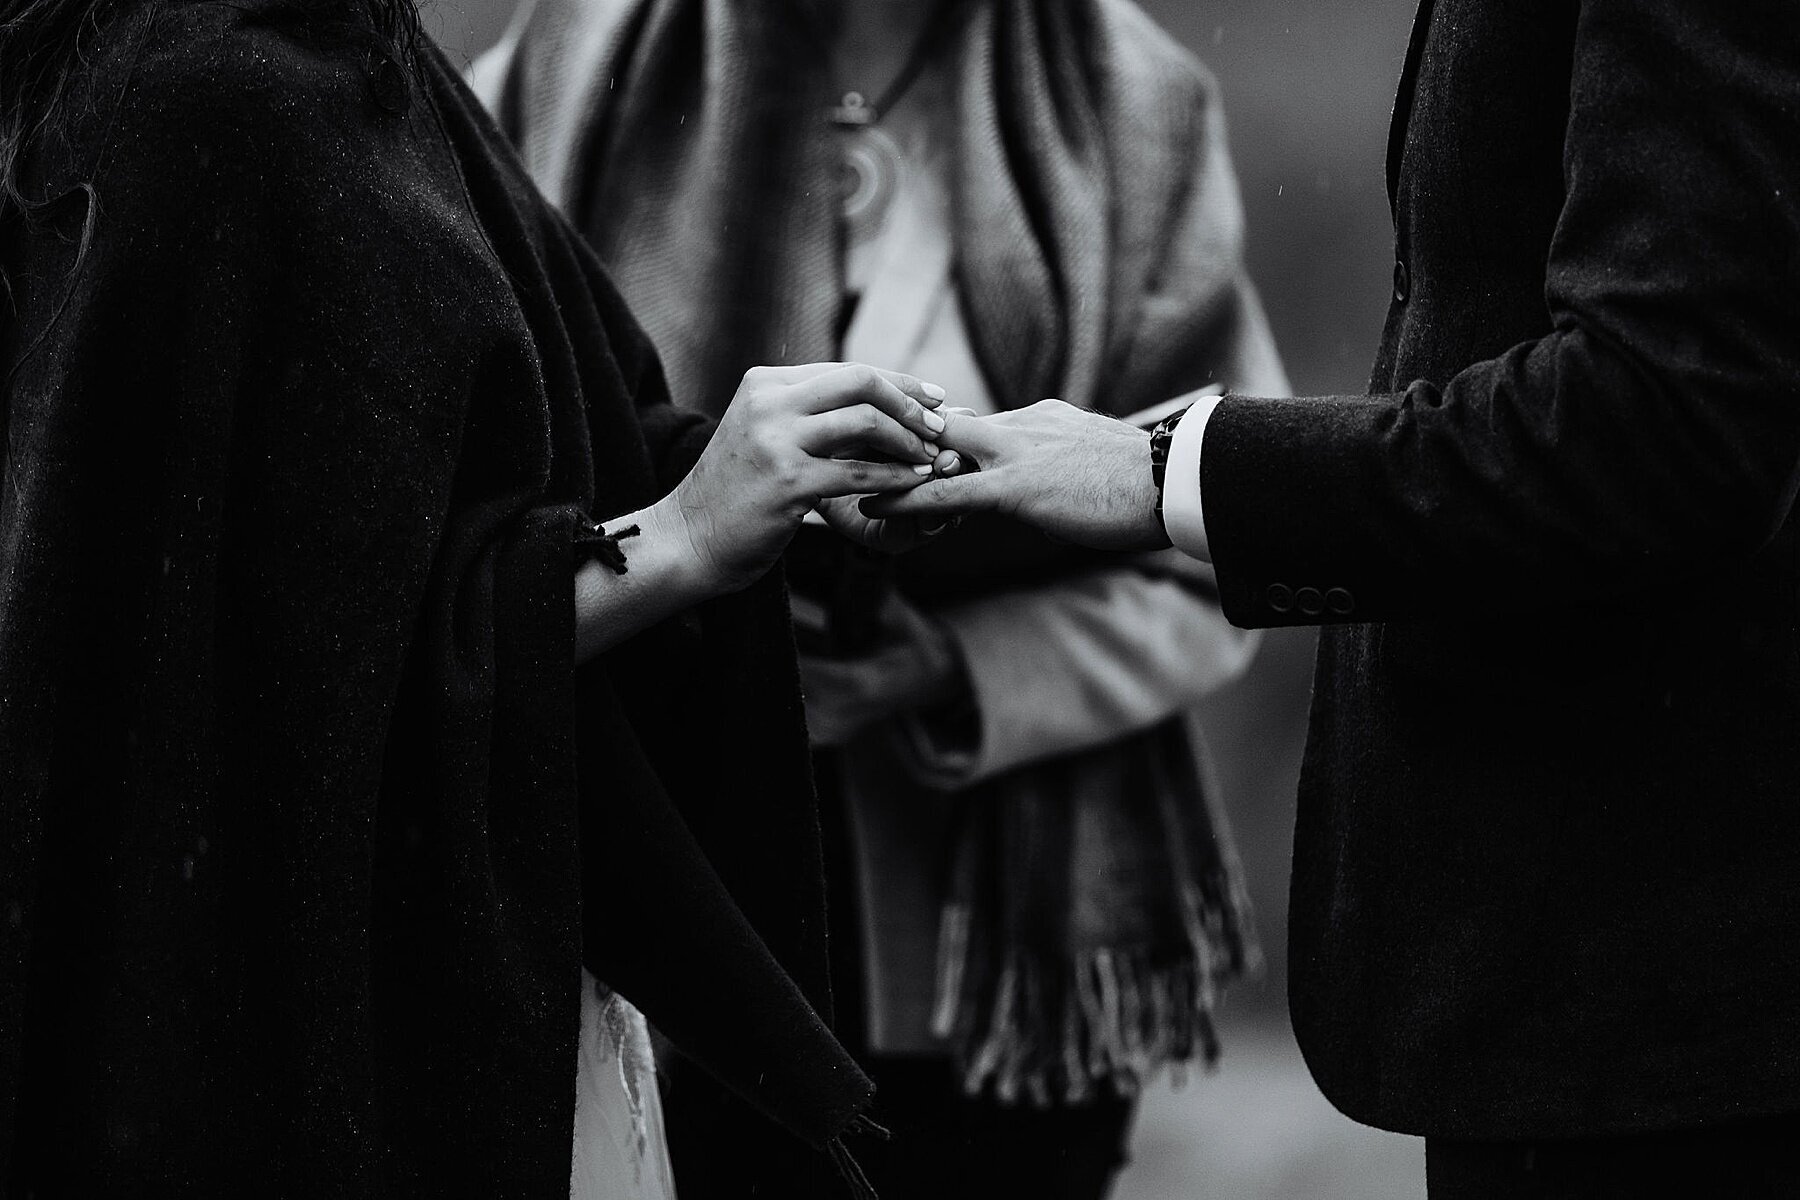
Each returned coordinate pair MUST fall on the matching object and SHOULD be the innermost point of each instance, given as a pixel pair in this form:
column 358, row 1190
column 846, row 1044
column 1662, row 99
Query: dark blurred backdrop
column 1308, row 90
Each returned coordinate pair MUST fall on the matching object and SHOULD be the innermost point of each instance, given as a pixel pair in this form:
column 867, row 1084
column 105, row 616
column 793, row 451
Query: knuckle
column 768, row 447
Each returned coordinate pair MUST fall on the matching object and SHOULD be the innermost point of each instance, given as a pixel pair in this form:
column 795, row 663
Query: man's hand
column 1080, row 476
column 914, row 664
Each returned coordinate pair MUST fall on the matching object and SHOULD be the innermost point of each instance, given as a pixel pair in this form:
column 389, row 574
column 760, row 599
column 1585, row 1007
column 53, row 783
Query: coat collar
column 1403, row 101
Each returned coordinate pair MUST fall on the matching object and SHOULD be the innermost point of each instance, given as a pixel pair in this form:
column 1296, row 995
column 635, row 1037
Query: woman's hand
column 792, row 439
column 1077, row 475
column 914, row 664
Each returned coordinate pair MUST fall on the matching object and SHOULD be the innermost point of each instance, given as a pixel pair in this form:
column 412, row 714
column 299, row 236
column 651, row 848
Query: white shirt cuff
column 1183, row 515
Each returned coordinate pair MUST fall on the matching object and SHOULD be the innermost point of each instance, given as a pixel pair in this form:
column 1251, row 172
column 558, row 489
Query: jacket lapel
column 1403, row 101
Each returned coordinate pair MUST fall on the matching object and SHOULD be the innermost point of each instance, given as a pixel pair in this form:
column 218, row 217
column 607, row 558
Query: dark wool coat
column 307, row 823
column 1547, row 869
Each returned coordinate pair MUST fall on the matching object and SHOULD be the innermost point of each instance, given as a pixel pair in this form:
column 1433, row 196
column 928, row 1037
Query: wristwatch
column 1161, row 438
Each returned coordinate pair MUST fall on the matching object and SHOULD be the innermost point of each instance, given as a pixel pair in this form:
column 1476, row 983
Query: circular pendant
column 871, row 176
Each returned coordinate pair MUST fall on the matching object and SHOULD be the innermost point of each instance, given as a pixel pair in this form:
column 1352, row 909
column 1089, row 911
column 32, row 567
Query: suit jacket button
column 1281, row 597
column 1310, row 600
column 1340, row 601
column 1402, row 281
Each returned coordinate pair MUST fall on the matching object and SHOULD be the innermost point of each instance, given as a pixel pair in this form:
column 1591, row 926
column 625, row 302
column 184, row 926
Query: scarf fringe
column 851, row 1170
column 853, row 1175
column 1060, row 1031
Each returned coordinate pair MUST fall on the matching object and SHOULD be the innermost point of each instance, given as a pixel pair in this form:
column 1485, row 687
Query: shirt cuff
column 1183, row 515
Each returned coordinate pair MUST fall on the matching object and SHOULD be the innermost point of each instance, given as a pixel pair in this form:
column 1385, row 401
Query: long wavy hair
column 43, row 41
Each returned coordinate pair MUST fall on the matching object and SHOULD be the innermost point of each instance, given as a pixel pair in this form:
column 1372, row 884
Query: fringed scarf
column 1095, row 912
column 1095, row 908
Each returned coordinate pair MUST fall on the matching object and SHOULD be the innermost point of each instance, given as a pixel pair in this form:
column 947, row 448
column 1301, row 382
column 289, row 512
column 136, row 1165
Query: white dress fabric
column 621, row 1150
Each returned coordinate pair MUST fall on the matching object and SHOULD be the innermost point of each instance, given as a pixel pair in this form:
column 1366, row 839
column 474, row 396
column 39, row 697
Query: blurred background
column 1308, row 88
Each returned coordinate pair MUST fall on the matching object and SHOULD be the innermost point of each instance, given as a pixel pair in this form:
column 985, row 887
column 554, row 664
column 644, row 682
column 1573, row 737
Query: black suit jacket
column 1547, row 865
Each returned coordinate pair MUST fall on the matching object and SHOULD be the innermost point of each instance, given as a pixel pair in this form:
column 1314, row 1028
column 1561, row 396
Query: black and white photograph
column 900, row 599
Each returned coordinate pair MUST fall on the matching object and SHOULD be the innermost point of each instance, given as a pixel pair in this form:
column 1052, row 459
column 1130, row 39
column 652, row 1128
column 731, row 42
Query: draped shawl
column 1098, row 231
column 307, row 820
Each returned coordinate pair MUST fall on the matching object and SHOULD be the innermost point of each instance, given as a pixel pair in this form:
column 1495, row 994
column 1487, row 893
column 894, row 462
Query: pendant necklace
column 872, row 158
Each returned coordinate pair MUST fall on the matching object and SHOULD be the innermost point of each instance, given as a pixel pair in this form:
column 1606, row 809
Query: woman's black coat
column 307, row 822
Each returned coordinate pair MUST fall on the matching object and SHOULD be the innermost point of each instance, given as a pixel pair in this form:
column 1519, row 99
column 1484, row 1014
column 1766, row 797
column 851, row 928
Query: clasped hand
column 1078, row 475
column 885, row 462
column 800, row 438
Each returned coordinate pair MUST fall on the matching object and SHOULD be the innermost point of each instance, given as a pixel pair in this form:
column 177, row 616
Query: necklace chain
column 855, row 111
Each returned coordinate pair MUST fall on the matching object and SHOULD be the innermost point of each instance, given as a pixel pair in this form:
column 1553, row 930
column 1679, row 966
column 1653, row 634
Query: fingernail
column 952, row 463
column 933, row 422
column 934, row 391
column 931, row 448
column 922, row 469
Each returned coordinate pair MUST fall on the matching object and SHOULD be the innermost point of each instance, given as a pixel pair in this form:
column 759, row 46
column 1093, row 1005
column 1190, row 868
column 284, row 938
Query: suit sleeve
column 1653, row 434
